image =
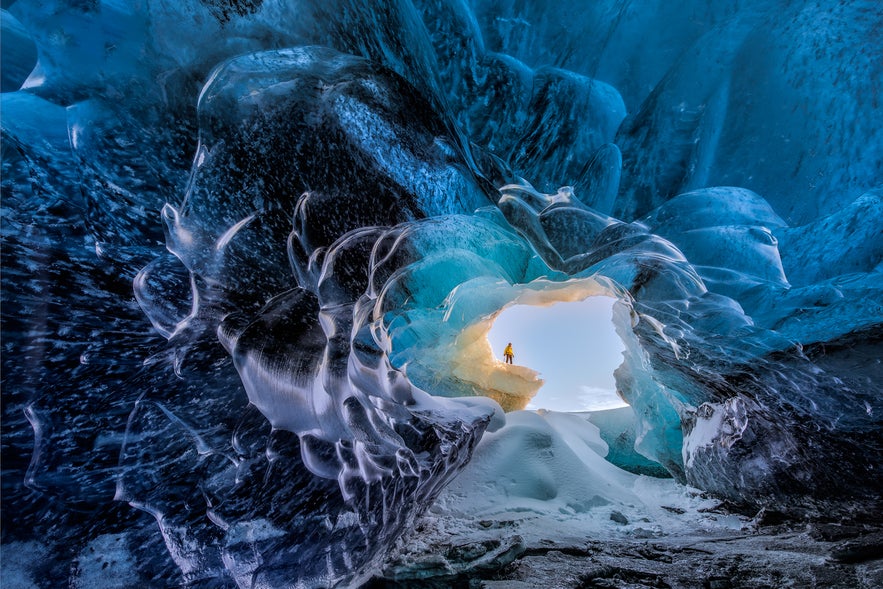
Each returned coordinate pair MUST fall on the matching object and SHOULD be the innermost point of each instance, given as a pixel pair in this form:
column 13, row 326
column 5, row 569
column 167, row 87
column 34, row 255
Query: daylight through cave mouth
column 573, row 346
column 461, row 355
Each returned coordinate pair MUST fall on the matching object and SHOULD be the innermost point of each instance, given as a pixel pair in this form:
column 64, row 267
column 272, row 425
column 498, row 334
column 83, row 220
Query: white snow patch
column 544, row 476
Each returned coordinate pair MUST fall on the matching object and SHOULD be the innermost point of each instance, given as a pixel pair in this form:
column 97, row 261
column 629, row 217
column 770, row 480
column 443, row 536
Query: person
column 508, row 353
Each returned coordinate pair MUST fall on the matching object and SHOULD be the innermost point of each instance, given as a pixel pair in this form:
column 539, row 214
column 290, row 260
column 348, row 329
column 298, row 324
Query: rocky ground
column 807, row 555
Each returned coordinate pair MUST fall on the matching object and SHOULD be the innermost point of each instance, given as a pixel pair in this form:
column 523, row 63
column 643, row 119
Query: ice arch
column 448, row 350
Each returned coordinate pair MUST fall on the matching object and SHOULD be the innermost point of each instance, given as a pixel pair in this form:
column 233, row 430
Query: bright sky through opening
column 572, row 345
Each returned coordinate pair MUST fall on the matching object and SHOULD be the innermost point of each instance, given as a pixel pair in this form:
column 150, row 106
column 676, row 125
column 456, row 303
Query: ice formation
column 252, row 249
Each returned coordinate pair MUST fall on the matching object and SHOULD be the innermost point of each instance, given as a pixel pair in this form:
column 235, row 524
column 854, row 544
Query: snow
column 546, row 471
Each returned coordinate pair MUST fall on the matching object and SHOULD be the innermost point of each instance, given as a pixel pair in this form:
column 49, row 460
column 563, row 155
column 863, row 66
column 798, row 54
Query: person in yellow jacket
column 508, row 353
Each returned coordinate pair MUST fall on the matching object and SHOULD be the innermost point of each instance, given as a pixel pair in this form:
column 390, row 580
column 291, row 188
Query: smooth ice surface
column 252, row 251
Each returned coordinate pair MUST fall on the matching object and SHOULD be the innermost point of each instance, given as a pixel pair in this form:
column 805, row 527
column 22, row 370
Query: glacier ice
column 252, row 250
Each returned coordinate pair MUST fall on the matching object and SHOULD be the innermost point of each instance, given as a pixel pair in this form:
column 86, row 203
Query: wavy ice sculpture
column 302, row 328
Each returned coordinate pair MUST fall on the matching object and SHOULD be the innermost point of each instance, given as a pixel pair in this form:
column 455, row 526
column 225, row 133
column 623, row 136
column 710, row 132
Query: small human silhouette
column 508, row 353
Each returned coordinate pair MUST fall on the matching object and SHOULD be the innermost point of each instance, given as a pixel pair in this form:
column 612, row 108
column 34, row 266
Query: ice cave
column 253, row 250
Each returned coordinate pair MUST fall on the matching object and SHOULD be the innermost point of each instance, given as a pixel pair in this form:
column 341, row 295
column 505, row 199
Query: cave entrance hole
column 574, row 347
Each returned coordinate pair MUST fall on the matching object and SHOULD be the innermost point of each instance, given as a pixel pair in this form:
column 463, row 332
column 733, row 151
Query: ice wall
column 250, row 249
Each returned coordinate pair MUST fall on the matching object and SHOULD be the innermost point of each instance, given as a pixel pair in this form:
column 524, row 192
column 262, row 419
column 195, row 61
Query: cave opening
column 574, row 347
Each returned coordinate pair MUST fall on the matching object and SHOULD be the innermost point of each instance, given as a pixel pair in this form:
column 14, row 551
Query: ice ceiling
column 247, row 246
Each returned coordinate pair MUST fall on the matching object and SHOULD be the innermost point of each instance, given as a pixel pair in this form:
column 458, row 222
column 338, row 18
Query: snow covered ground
column 539, row 506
